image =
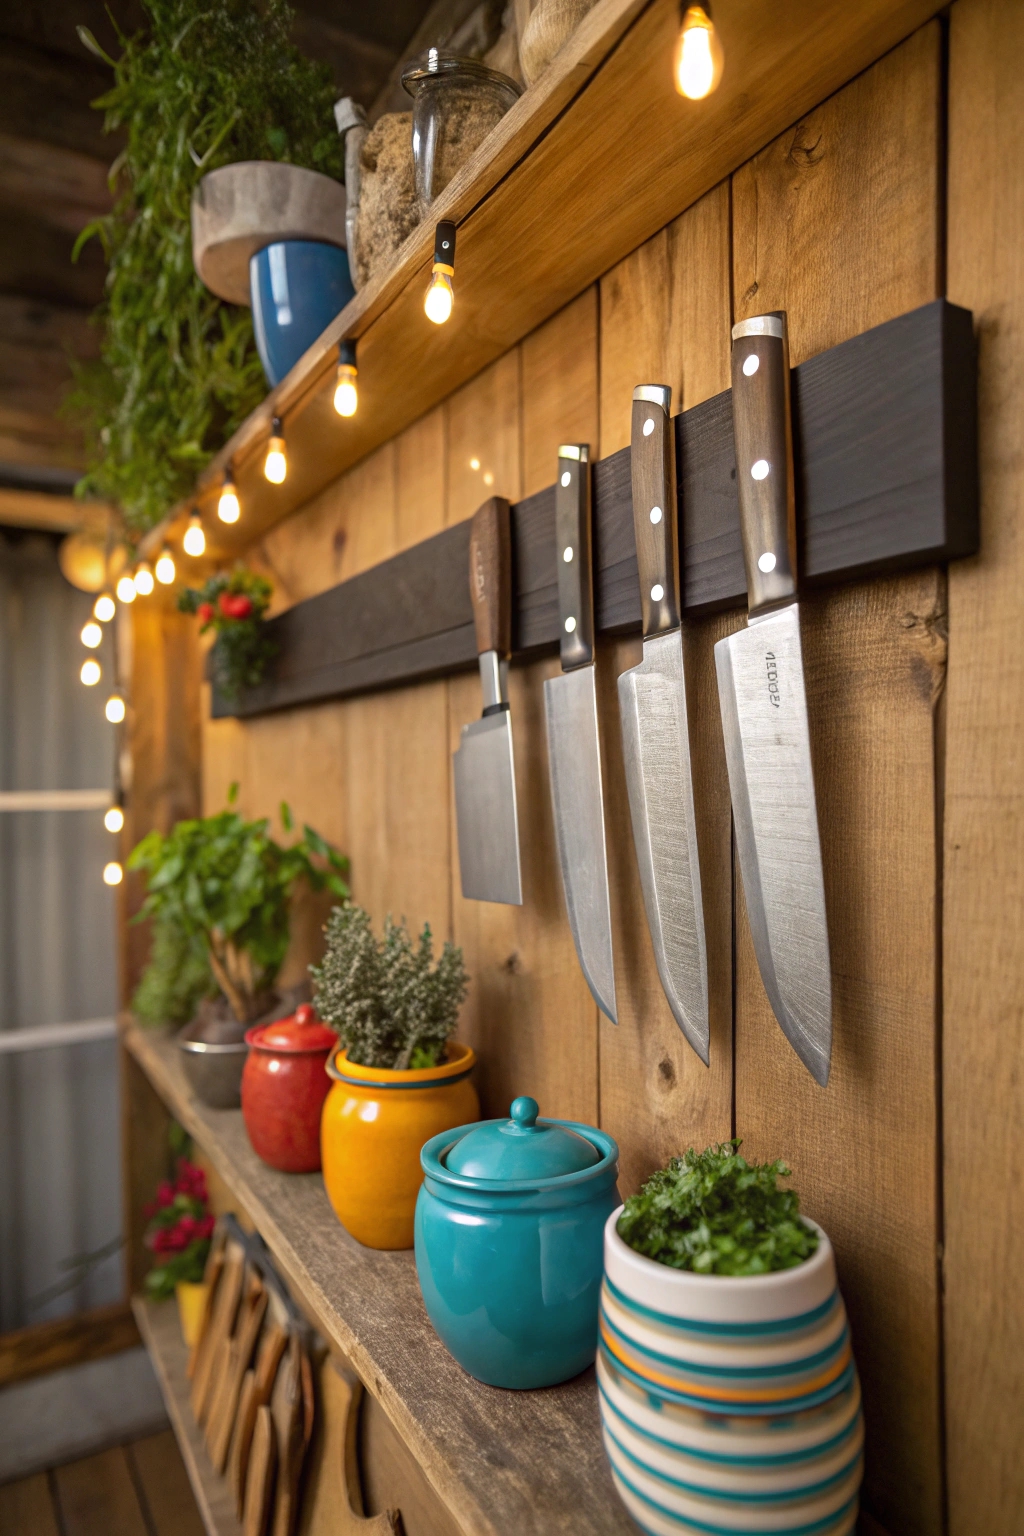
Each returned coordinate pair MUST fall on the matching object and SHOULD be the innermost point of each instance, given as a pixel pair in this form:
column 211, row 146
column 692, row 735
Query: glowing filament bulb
column 104, row 608
column 440, row 295
column 115, row 710
column 275, row 465
column 126, row 589
column 699, row 58
column 91, row 634
column 91, row 672
column 143, row 579
column 165, row 572
column 194, row 542
column 346, row 396
column 228, row 507
column 113, row 874
column 114, row 819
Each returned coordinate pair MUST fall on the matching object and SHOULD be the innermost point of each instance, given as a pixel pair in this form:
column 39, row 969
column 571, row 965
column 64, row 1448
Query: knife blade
column 764, row 709
column 485, row 780
column 655, row 732
column 574, row 743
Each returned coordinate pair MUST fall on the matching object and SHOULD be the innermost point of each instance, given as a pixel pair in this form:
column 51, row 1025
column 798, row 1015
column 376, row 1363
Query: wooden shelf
column 528, row 1462
column 161, row 1334
column 592, row 160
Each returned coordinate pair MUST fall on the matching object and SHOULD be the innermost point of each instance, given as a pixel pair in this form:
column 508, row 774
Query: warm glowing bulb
column 126, row 590
column 115, row 709
column 91, row 672
column 228, row 507
column 143, row 579
column 91, row 634
column 440, row 298
column 165, row 572
column 113, row 874
column 275, row 465
column 699, row 58
column 104, row 608
column 346, row 396
column 194, row 542
column 114, row 819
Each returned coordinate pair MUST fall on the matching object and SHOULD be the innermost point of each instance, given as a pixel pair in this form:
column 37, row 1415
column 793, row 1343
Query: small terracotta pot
column 374, row 1123
column 283, row 1089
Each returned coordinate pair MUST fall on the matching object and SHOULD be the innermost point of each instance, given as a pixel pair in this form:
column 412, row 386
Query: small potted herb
column 399, row 1078
column 178, row 1235
column 720, row 1297
column 233, row 606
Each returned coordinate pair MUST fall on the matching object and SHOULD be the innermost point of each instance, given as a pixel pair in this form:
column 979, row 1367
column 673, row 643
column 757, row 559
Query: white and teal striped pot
column 729, row 1404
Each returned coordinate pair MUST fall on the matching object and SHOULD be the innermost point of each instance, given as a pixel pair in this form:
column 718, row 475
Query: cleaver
column 574, row 743
column 485, row 779
column 764, row 709
column 655, row 733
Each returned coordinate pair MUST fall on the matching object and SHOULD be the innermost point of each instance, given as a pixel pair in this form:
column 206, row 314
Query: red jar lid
column 302, row 1032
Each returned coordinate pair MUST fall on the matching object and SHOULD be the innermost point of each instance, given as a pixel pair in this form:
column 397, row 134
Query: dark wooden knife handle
column 573, row 557
column 655, row 507
column 762, row 427
column 490, row 576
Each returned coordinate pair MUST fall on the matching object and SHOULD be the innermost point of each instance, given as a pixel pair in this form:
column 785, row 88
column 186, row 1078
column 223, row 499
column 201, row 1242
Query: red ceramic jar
column 284, row 1084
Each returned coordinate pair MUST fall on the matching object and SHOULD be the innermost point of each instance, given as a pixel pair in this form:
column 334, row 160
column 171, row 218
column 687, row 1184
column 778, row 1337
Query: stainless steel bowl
column 214, row 1071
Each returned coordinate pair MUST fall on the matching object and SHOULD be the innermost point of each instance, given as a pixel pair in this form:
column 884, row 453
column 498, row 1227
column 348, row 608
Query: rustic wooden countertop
column 503, row 1463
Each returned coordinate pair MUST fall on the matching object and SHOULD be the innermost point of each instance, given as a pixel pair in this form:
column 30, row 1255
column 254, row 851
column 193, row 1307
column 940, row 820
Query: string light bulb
column 346, row 396
column 91, row 672
column 143, row 578
column 115, row 710
column 440, row 296
column 194, row 542
column 229, row 508
column 113, row 874
column 275, row 465
column 91, row 634
column 699, row 60
column 125, row 589
column 165, row 571
column 104, row 608
column 114, row 819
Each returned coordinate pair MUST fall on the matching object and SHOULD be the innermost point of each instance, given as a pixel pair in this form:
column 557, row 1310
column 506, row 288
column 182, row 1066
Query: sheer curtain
column 60, row 1176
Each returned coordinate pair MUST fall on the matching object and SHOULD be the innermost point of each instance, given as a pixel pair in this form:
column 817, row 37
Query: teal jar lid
column 520, row 1148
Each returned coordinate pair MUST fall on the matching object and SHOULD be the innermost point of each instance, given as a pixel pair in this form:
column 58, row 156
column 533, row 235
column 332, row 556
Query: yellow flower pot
column 373, row 1125
column 191, row 1299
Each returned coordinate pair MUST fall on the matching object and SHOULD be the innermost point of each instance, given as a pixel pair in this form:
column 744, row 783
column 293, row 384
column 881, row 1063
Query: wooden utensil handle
column 762, row 426
column 573, row 556
column 490, row 577
column 655, row 507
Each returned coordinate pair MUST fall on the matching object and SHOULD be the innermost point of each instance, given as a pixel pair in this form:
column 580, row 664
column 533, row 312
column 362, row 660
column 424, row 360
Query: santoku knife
column 574, row 744
column 655, row 734
column 485, row 779
column 764, row 709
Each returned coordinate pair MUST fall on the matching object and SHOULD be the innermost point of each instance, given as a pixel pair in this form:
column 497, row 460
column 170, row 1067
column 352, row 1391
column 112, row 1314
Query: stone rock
column 388, row 206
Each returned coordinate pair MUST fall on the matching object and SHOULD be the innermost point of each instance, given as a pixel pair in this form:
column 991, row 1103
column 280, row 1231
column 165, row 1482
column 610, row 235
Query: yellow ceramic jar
column 373, row 1125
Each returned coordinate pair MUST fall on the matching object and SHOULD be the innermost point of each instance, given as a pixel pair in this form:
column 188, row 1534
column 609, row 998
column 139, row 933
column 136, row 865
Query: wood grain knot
column 667, row 1072
column 513, row 965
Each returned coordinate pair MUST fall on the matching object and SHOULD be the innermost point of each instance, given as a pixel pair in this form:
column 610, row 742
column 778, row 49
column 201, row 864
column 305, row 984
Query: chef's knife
column 574, row 745
column 764, row 709
column 485, row 780
column 655, row 734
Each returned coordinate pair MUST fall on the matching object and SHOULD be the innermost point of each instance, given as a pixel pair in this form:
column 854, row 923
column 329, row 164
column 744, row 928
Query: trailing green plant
column 715, row 1213
column 226, row 882
column 387, row 1004
column 233, row 605
column 177, row 977
column 205, row 83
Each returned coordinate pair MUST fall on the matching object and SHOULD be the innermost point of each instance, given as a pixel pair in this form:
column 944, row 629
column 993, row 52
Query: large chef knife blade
column 655, row 734
column 574, row 745
column 485, row 778
column 764, row 709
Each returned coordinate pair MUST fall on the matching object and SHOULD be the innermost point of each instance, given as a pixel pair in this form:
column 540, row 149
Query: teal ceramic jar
column 509, row 1230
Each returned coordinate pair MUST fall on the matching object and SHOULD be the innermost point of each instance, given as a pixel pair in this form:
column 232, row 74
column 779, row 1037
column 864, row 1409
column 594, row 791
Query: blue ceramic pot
column 509, row 1231
column 297, row 287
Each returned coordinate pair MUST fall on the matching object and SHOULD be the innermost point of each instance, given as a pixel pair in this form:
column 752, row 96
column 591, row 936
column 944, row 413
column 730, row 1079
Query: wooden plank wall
column 842, row 221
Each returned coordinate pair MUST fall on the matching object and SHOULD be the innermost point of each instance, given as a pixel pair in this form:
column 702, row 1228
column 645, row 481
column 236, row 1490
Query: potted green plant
column 178, row 1235
column 728, row 1389
column 399, row 1078
column 233, row 604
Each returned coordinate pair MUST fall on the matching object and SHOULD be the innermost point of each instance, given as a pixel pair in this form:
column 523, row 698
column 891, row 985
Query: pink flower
column 164, row 1193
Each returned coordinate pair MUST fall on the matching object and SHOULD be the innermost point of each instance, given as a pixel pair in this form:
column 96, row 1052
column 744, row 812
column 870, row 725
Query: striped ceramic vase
column 729, row 1404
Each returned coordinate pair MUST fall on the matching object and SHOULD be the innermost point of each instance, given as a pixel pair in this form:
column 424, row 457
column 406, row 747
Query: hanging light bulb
column 228, row 507
column 440, row 295
column 143, row 578
column 114, row 819
column 346, row 396
column 194, row 542
column 113, row 874
column 275, row 465
column 91, row 672
column 115, row 710
column 104, row 608
column 91, row 634
column 699, row 59
column 165, row 572
column 125, row 589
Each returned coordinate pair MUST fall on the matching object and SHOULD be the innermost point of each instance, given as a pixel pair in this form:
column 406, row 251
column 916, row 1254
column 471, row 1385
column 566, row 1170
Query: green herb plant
column 387, row 1004
column 177, row 977
column 717, row 1214
column 226, row 882
column 233, row 605
column 202, row 85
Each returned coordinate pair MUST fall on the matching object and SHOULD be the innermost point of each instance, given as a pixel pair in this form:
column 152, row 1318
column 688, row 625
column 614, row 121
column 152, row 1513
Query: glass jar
column 456, row 103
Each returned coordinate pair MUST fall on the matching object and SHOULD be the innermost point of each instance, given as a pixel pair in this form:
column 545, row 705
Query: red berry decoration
column 205, row 612
column 241, row 606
